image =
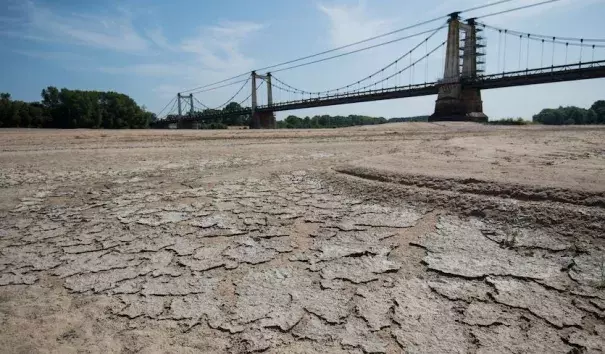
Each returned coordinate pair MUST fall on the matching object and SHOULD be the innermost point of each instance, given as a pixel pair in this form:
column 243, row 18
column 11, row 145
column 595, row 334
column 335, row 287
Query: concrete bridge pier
column 263, row 120
column 455, row 102
column 188, row 124
column 267, row 120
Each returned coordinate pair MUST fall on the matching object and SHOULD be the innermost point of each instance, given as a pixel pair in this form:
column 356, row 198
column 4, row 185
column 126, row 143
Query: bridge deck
column 551, row 74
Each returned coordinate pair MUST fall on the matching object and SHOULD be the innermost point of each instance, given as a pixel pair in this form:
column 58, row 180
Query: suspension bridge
column 522, row 59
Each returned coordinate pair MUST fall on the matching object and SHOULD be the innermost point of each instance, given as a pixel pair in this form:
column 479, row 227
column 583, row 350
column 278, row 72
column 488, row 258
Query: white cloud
column 51, row 55
column 218, row 47
column 148, row 70
column 213, row 53
column 235, row 29
column 349, row 24
column 156, row 35
column 210, row 54
column 115, row 32
column 166, row 91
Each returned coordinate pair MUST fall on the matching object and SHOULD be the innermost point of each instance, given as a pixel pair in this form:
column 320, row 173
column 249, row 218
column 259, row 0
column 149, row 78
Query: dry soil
column 418, row 237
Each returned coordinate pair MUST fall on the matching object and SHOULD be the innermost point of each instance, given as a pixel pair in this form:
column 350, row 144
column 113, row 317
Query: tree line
column 572, row 115
column 74, row 109
column 209, row 121
column 66, row 108
column 326, row 121
column 212, row 120
column 409, row 119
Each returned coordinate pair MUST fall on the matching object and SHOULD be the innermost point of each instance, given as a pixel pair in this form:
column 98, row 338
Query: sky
column 152, row 49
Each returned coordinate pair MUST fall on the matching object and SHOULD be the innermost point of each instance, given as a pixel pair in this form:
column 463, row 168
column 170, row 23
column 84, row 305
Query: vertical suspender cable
column 520, row 50
column 552, row 62
column 426, row 68
column 593, row 46
column 581, row 49
column 527, row 54
column 411, row 70
column 397, row 76
column 504, row 58
column 542, row 55
column 412, row 81
column 566, row 48
column 499, row 49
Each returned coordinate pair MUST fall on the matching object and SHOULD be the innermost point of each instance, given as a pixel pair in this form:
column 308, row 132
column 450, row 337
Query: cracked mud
column 276, row 254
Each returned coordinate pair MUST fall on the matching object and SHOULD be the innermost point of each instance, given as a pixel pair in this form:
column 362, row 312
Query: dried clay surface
column 403, row 238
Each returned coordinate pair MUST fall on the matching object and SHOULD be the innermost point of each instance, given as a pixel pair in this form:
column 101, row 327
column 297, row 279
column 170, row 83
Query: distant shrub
column 572, row 115
column 509, row 121
column 214, row 125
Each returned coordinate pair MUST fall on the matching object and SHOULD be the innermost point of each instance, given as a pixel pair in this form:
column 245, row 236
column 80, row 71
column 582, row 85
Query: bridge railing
column 543, row 70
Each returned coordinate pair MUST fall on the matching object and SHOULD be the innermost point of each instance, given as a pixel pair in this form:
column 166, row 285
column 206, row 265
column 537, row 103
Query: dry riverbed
column 421, row 238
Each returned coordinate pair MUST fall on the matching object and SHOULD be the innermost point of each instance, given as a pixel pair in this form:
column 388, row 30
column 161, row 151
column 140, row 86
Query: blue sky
column 151, row 49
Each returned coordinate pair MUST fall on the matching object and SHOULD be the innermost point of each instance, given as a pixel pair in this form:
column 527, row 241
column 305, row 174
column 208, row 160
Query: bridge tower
column 456, row 101
column 188, row 99
column 183, row 124
column 262, row 119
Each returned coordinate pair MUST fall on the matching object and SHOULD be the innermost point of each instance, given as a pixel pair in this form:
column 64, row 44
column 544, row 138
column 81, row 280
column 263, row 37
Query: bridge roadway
column 551, row 74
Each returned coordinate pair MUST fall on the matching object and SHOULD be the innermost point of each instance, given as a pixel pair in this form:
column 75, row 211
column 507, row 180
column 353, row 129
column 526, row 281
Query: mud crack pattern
column 285, row 264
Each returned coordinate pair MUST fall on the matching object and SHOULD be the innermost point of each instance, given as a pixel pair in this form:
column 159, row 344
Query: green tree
column 572, row 115
column 5, row 104
column 599, row 109
column 326, row 121
column 234, row 119
column 293, row 122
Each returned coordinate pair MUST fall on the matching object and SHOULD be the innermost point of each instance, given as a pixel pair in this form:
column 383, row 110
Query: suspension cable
column 555, row 40
column 166, row 106
column 360, row 88
column 486, row 5
column 218, row 87
column 250, row 95
column 358, row 50
column 538, row 38
column 237, row 93
column 350, row 45
column 517, row 8
column 434, row 31
column 171, row 108
column 328, row 51
column 373, row 38
column 200, row 88
column 413, row 64
column 541, row 36
column 200, row 103
column 226, row 102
